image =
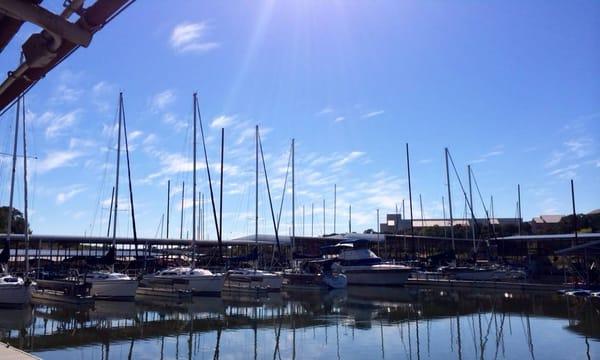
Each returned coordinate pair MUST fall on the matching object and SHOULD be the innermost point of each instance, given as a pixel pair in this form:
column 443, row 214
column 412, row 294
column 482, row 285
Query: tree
column 18, row 221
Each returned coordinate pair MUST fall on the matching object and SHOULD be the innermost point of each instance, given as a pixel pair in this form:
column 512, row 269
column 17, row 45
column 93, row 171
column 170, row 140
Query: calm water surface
column 358, row 323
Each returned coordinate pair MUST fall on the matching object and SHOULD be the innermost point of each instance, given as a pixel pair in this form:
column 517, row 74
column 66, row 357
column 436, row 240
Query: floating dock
column 498, row 285
column 8, row 352
column 169, row 293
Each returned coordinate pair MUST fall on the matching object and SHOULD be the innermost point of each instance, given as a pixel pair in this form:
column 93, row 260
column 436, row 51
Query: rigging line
column 212, row 196
column 487, row 215
column 284, row 188
column 135, row 242
column 477, row 227
column 262, row 155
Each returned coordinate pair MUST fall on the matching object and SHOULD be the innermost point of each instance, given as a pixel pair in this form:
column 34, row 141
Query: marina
column 299, row 180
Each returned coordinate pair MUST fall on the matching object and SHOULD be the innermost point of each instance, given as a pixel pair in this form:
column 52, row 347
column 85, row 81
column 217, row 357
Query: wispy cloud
column 326, row 110
column 163, row 99
column 58, row 123
column 222, row 121
column 172, row 120
column 339, row 119
column 348, row 158
column 57, row 159
column 191, row 37
column 372, row 114
column 69, row 193
column 567, row 172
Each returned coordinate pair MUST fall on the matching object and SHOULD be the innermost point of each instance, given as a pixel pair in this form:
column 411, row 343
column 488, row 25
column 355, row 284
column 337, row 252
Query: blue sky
column 511, row 87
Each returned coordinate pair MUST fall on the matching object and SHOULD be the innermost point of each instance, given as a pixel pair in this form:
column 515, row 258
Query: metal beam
column 47, row 20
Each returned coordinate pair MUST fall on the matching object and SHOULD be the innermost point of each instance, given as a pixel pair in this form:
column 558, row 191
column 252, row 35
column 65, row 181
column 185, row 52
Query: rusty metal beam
column 47, row 20
column 92, row 19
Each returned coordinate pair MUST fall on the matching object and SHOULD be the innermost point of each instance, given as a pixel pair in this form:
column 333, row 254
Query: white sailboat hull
column 113, row 289
column 15, row 295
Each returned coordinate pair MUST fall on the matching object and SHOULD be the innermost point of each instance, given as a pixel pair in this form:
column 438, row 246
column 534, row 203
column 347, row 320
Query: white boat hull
column 15, row 295
column 114, row 289
column 198, row 285
column 254, row 281
column 376, row 277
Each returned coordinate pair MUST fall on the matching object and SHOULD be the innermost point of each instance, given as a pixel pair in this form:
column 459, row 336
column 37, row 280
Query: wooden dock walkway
column 8, row 352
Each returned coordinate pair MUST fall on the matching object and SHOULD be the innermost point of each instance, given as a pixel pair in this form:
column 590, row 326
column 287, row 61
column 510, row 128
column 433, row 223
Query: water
column 358, row 323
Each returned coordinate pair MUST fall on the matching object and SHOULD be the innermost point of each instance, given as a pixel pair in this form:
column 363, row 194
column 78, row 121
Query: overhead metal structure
column 58, row 38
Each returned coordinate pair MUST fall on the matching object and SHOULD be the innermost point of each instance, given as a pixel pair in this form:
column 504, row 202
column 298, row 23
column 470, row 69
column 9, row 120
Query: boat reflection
column 277, row 324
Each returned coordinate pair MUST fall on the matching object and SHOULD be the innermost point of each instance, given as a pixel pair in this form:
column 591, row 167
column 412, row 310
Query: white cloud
column 348, row 158
column 222, row 121
column 567, row 172
column 163, row 99
column 339, row 119
column 190, row 37
column 69, row 193
column 326, row 110
column 135, row 134
column 60, row 123
column 171, row 119
column 57, row 159
column 372, row 114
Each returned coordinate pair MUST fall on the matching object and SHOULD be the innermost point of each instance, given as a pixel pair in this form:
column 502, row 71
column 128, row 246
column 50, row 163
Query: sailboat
column 111, row 285
column 15, row 291
column 198, row 281
column 254, row 279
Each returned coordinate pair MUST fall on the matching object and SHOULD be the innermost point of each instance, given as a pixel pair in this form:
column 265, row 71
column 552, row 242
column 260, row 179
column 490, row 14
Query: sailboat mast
column 182, row 198
column 449, row 199
column 115, row 209
column 168, row 205
column 334, row 207
column 293, row 196
column 256, row 191
column 410, row 204
column 221, row 194
column 194, row 186
column 25, row 205
column 471, row 207
column 12, row 181
column 349, row 219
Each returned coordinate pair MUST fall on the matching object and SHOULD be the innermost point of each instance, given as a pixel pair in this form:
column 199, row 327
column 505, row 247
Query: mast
column 168, row 205
column 221, row 194
column 182, row 198
column 256, row 196
column 573, row 242
column 112, row 199
column 194, row 185
column 312, row 219
column 410, row 204
column 25, row 210
column 323, row 217
column 349, row 219
column 519, row 206
column 449, row 200
column 115, row 209
column 293, row 197
column 129, row 177
column 444, row 214
column 334, row 207
column 471, row 207
column 12, row 180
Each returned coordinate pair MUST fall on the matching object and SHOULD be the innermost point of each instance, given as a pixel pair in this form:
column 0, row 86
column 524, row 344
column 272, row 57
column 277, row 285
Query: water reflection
column 354, row 323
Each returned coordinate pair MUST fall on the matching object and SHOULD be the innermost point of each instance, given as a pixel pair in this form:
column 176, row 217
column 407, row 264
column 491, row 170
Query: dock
column 8, row 352
column 498, row 285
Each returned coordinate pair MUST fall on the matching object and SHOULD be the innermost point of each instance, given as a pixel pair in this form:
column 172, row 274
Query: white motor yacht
column 14, row 291
column 198, row 281
column 111, row 285
column 363, row 267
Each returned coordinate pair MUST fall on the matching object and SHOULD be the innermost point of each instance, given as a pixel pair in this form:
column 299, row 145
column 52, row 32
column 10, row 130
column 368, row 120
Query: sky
column 512, row 88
